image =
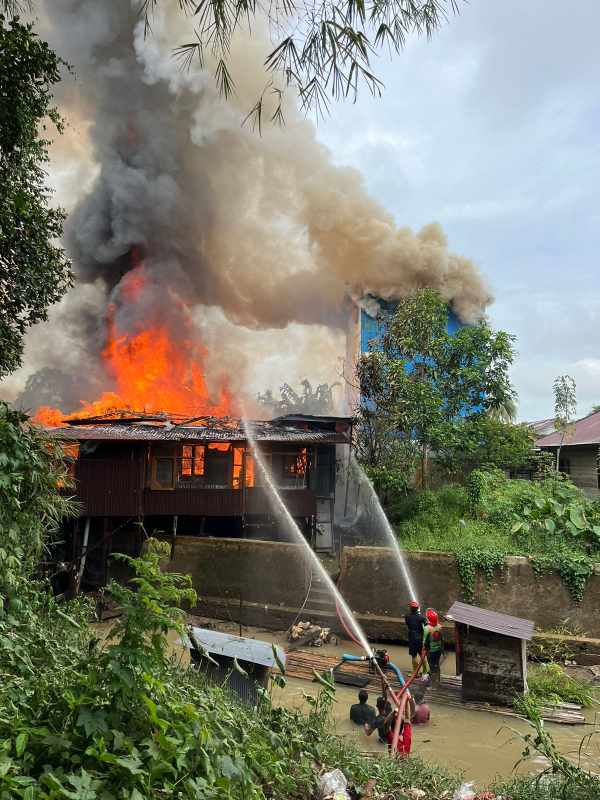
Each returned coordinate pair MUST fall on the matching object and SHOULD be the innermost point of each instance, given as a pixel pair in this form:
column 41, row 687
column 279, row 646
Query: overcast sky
column 492, row 129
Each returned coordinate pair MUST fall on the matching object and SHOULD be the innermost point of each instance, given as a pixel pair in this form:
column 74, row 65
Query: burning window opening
column 192, row 461
column 289, row 469
column 222, row 465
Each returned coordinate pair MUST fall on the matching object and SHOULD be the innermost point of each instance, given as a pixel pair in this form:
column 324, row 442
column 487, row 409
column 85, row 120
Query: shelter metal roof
column 253, row 651
column 209, row 429
column 586, row 431
column 492, row 621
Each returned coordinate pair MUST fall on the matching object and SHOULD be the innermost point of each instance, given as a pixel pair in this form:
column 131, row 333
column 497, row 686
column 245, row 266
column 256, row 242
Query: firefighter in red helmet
column 433, row 644
column 415, row 622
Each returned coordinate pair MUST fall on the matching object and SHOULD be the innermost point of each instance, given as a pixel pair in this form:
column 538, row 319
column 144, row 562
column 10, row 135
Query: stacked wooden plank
column 300, row 664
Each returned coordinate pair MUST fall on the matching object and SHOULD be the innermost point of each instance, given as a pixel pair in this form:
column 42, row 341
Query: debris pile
column 307, row 633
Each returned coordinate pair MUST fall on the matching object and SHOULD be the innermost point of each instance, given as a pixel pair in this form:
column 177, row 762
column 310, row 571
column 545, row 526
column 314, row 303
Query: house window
column 294, row 468
column 192, row 461
column 243, row 468
column 288, row 468
column 163, row 473
column 250, row 469
column 161, row 468
column 218, row 465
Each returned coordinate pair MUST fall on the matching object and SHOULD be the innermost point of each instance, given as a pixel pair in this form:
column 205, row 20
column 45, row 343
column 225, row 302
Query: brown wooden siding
column 193, row 502
column 109, row 488
column 300, row 502
column 112, row 488
column 492, row 667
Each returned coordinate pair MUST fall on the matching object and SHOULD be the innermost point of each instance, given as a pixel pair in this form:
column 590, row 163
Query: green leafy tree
column 321, row 50
column 481, row 439
column 565, row 408
column 436, row 392
column 31, row 509
column 34, row 271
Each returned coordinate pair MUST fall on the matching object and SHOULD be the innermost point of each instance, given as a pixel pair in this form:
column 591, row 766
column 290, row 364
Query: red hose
column 344, row 626
column 398, row 699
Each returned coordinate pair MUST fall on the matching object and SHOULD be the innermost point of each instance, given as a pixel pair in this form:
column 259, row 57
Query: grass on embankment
column 550, row 684
column 493, row 517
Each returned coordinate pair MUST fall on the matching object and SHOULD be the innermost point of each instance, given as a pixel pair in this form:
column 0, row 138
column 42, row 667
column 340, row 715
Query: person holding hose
column 433, row 644
column 415, row 622
column 404, row 740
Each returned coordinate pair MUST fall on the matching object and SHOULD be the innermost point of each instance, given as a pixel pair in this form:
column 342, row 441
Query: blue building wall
column 372, row 330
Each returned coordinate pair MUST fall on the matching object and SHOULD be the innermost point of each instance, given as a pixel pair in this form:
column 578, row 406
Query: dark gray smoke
column 266, row 229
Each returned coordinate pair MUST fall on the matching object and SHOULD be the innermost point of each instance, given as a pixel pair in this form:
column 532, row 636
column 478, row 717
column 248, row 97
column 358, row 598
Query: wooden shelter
column 491, row 653
column 254, row 657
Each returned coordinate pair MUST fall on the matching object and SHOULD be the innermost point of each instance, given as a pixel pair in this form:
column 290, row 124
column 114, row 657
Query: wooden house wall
column 492, row 667
column 112, row 482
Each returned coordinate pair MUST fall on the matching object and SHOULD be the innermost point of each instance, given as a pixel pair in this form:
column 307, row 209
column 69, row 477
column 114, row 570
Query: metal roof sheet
column 542, row 426
column 311, row 418
column 586, row 431
column 491, row 621
column 214, row 432
column 225, row 644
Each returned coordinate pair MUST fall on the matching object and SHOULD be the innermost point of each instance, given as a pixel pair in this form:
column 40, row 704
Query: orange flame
column 152, row 371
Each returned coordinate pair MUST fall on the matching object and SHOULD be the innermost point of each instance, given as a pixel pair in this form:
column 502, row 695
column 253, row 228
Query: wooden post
column 86, row 536
column 106, row 534
column 173, row 537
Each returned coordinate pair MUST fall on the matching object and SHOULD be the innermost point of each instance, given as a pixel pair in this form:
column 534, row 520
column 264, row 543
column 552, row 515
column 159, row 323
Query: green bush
column 494, row 516
column 550, row 684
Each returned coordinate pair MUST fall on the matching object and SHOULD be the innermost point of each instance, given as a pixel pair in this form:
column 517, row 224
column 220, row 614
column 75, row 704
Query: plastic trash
column 466, row 791
column 333, row 786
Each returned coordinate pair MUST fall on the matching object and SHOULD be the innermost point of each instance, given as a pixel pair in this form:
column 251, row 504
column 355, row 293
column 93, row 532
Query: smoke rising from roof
column 264, row 229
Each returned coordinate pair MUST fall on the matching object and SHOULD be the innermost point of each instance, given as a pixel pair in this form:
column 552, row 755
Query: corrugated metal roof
column 491, row 621
column 166, row 431
column 586, row 431
column 311, row 418
column 225, row 644
column 542, row 426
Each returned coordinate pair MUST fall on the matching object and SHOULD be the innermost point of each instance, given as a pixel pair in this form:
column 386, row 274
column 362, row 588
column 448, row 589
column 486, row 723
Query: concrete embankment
column 266, row 583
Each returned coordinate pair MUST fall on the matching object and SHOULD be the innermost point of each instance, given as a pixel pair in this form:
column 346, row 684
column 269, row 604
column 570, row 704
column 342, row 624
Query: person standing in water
column 361, row 712
column 415, row 622
column 422, row 714
column 433, row 644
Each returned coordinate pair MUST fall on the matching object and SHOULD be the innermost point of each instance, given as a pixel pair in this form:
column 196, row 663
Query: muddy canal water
column 482, row 745
column 479, row 744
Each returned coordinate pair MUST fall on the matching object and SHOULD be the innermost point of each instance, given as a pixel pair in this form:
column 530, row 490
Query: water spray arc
column 292, row 528
column 346, row 616
column 384, row 525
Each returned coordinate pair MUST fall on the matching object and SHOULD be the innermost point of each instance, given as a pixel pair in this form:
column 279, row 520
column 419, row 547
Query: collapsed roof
column 173, row 428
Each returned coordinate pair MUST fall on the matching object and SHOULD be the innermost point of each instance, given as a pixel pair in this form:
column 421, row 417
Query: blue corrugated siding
column 372, row 330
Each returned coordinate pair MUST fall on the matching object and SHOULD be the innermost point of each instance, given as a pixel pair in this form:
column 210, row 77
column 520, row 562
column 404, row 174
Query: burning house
column 167, row 475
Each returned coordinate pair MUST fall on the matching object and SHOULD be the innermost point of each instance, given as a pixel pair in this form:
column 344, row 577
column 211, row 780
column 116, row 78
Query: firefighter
column 433, row 644
column 415, row 622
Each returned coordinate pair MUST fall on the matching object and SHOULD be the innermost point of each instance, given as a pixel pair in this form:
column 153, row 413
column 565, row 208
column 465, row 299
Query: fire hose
column 401, row 698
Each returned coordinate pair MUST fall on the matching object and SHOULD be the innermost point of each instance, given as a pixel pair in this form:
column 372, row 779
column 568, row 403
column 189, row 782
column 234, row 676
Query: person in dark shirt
column 378, row 724
column 415, row 622
column 361, row 712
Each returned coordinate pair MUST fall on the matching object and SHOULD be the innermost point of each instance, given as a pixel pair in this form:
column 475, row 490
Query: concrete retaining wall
column 271, row 580
column 271, row 573
column 369, row 581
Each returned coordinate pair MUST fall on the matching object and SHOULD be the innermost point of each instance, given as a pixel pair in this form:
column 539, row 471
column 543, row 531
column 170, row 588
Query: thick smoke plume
column 256, row 231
